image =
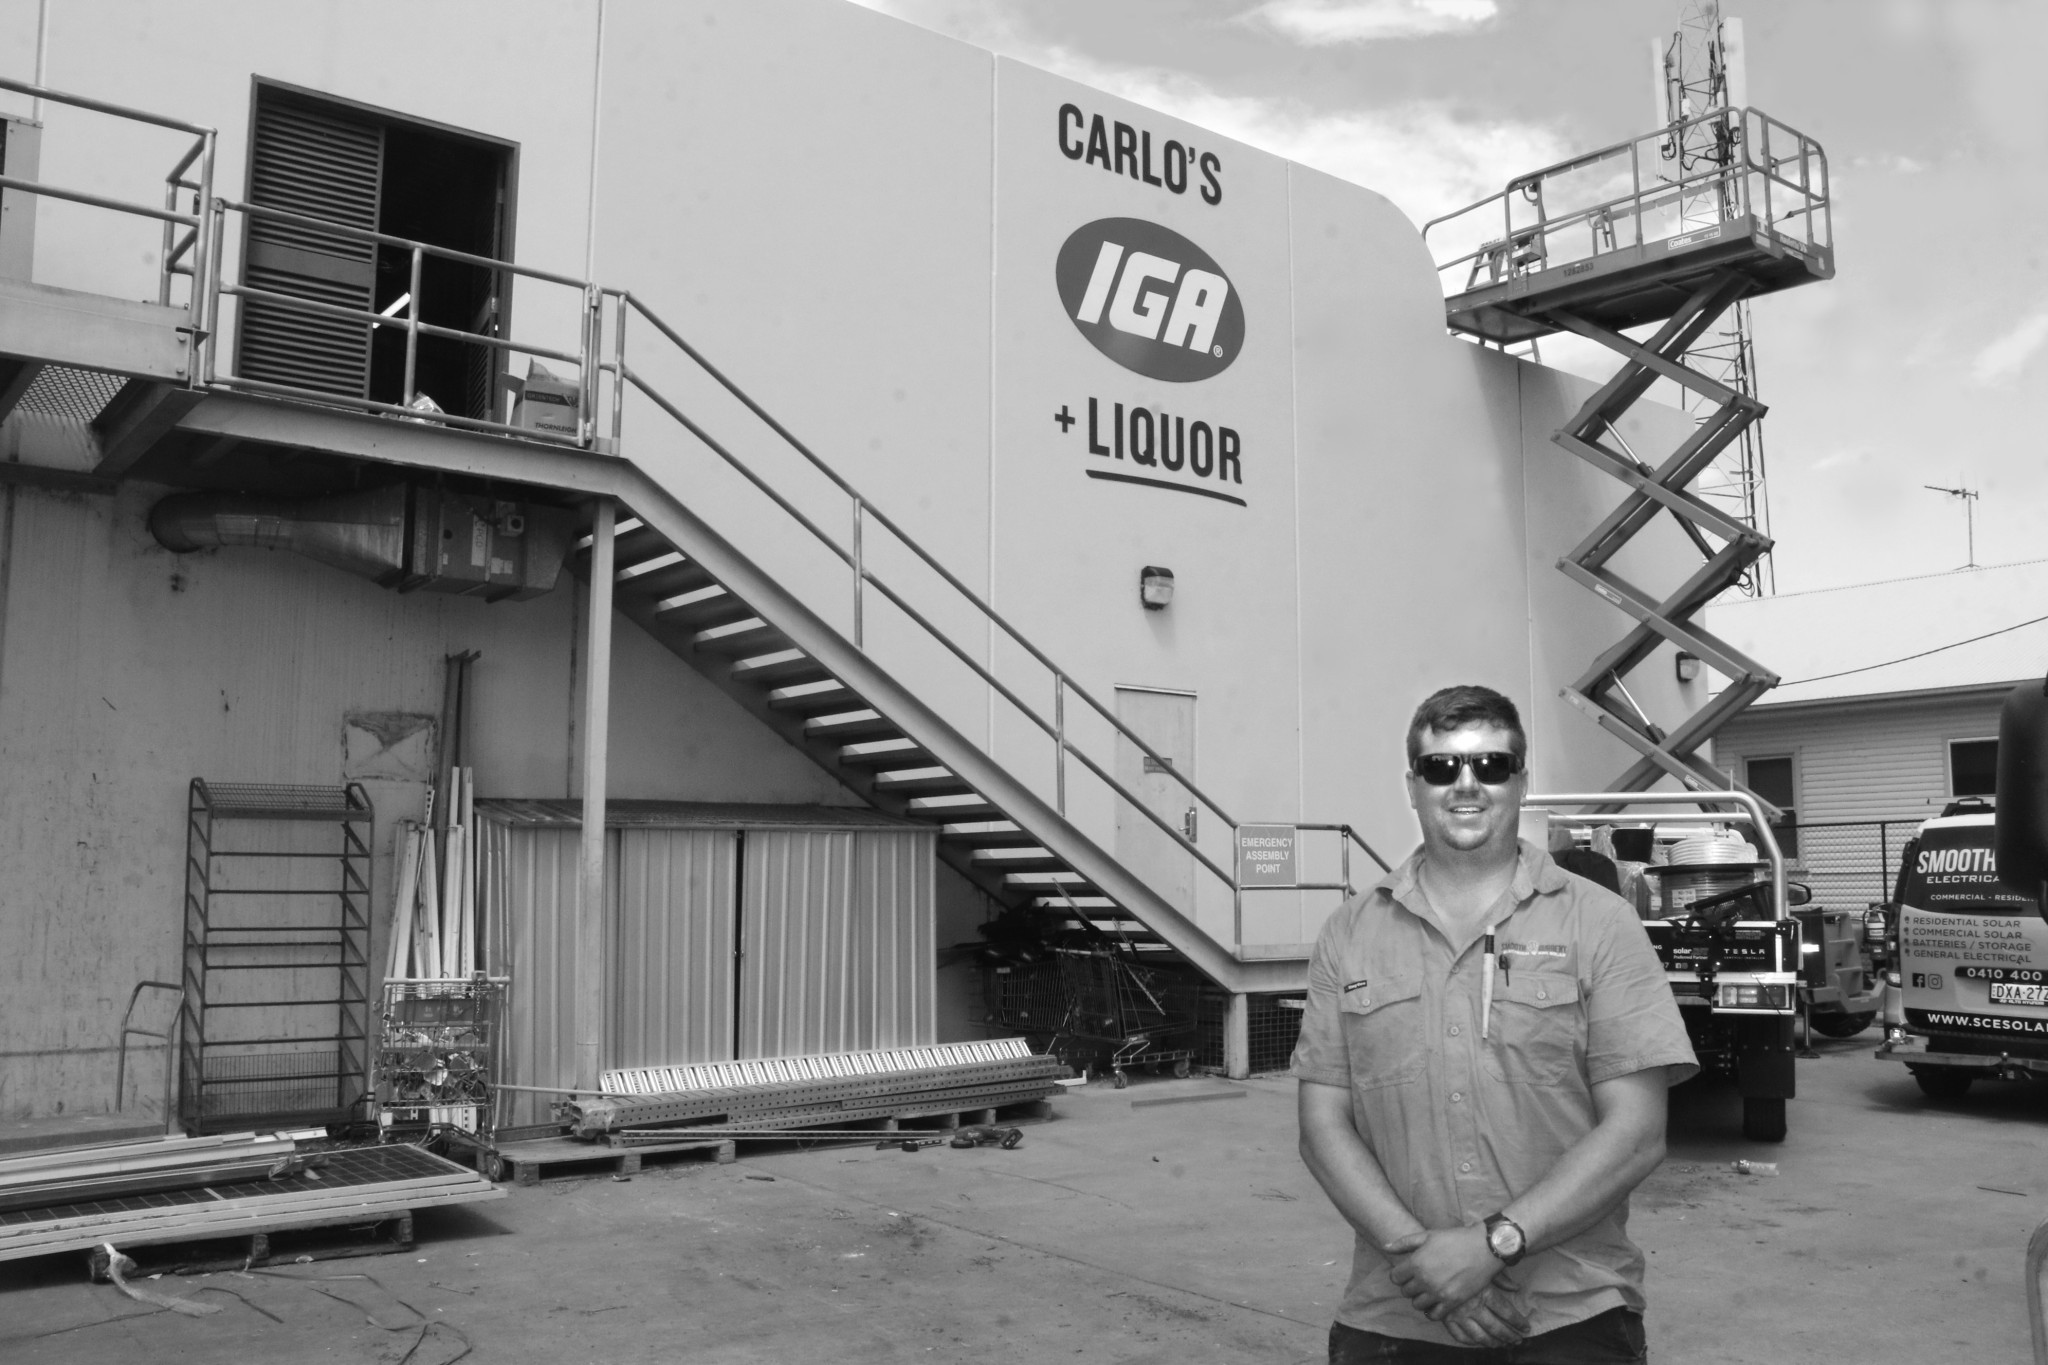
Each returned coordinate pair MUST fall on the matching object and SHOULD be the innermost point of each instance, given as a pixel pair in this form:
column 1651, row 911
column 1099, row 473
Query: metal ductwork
column 405, row 537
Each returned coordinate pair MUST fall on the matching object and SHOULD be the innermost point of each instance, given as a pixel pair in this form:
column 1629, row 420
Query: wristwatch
column 1505, row 1239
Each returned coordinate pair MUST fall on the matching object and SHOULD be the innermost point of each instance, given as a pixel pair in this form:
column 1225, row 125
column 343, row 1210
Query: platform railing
column 188, row 248
column 605, row 377
column 1637, row 193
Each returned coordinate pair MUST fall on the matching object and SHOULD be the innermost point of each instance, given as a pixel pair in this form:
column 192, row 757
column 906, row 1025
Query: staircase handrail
column 192, row 247
column 947, row 575
column 625, row 373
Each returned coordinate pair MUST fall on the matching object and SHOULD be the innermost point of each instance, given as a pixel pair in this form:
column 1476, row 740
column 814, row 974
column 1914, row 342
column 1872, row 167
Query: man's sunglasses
column 1441, row 770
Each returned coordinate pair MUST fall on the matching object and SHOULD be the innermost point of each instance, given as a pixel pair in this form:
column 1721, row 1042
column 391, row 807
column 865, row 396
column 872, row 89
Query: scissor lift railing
column 1611, row 241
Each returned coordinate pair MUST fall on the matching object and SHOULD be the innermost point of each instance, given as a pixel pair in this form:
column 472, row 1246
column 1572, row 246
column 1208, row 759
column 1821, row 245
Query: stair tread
column 626, row 573
column 822, row 695
column 857, row 725
column 625, row 526
column 900, row 751
column 745, row 633
column 781, row 666
column 924, row 781
column 698, row 597
column 950, row 807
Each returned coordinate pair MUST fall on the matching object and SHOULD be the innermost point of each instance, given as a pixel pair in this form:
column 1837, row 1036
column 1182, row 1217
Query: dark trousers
column 1611, row 1338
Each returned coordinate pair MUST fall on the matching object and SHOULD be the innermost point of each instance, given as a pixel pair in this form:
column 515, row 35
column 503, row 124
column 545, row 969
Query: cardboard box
column 548, row 403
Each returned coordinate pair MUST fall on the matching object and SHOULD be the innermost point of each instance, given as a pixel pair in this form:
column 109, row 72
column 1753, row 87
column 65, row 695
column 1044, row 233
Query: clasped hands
column 1450, row 1274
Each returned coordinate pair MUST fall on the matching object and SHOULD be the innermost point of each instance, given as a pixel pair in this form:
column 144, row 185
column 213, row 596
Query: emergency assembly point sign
column 1267, row 855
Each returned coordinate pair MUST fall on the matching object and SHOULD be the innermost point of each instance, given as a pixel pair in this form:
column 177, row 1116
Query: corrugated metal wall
column 837, row 951
column 529, row 895
column 1863, row 761
column 838, row 927
column 671, row 894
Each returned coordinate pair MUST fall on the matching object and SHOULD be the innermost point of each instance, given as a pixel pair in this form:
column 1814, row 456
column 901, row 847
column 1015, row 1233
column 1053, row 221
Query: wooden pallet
column 334, row 1240
column 524, row 1161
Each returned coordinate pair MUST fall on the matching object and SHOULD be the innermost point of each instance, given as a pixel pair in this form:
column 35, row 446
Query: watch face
column 1505, row 1239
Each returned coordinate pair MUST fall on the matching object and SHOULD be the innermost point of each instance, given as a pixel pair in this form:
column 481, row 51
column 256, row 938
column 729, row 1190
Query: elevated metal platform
column 1635, row 235
column 1622, row 238
column 144, row 392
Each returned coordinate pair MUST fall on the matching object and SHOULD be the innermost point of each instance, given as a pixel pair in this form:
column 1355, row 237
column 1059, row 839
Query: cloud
column 1426, row 156
column 1322, row 23
column 1423, row 155
column 2001, row 361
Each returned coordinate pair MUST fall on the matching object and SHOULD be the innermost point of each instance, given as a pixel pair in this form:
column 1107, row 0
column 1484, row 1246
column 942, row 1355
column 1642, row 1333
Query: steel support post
column 1237, row 1037
column 590, row 905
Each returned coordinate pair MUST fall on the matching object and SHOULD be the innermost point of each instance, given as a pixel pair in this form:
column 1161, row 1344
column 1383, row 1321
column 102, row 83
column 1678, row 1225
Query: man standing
column 1483, row 1061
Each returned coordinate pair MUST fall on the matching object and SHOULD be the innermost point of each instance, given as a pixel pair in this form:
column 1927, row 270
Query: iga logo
column 1150, row 299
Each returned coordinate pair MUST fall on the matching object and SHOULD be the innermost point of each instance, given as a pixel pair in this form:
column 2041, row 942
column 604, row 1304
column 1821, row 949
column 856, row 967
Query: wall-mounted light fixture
column 1688, row 666
column 1155, row 587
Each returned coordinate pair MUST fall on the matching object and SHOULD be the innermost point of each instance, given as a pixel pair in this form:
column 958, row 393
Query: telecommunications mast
column 1698, row 69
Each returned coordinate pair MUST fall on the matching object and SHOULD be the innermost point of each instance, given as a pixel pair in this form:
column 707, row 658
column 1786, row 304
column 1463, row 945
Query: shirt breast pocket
column 1383, row 1033
column 1538, row 1032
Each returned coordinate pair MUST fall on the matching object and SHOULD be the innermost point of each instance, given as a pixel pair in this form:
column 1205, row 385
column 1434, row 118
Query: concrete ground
column 1126, row 1230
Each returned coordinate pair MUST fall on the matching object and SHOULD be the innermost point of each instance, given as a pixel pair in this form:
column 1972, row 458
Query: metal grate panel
column 277, row 801
column 61, row 391
column 661, row 1080
column 348, row 1168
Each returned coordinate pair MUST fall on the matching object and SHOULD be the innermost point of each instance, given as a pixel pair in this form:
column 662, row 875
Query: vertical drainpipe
column 597, row 681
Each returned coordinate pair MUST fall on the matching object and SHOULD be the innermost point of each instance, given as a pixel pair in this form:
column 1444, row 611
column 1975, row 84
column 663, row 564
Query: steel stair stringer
column 1600, row 691
column 1081, row 870
column 838, row 657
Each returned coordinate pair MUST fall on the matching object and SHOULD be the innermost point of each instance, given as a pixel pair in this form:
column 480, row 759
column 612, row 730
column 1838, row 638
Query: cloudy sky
column 1925, row 361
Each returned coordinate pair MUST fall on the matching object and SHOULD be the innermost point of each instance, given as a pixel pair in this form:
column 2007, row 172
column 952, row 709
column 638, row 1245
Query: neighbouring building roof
column 1939, row 633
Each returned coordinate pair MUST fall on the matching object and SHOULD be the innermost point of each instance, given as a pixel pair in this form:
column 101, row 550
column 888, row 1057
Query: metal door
column 837, row 928
column 1165, row 720
column 671, row 896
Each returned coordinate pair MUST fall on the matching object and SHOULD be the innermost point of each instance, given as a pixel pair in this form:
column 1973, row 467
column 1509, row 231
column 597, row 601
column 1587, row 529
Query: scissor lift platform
column 1624, row 236
column 1640, row 283
column 1670, row 230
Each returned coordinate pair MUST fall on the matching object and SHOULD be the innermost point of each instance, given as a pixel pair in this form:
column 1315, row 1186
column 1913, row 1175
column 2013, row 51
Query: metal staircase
column 676, row 599
column 1022, row 825
column 1611, row 241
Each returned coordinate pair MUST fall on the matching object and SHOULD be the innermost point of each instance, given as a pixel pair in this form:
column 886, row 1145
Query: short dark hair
column 1454, row 708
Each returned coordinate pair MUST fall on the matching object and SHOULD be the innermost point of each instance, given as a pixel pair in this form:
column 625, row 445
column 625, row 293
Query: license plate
column 2018, row 993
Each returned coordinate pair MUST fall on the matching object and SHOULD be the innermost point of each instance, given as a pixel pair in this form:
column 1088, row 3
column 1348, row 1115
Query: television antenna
column 1969, row 499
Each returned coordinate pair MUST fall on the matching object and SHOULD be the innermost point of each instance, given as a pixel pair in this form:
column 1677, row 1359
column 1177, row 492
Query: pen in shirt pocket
column 1486, row 988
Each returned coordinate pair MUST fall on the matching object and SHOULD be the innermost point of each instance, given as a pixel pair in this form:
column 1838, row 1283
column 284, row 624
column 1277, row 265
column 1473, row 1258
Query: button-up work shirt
column 1461, row 1124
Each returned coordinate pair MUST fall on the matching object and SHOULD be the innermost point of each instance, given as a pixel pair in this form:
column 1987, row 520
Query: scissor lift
column 1627, row 237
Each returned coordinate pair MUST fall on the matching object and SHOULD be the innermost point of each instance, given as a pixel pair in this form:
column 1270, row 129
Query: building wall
column 1865, row 772
column 858, row 221
column 126, row 671
column 1881, row 759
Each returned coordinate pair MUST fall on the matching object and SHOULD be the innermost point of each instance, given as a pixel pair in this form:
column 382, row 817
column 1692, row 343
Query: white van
column 1970, row 962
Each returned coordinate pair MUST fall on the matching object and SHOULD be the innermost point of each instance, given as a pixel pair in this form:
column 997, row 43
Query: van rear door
column 1973, row 952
